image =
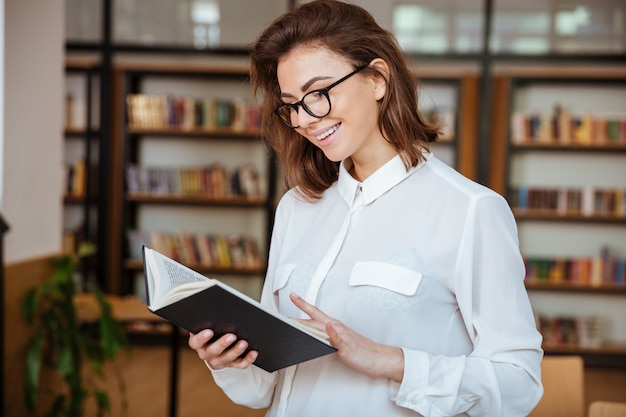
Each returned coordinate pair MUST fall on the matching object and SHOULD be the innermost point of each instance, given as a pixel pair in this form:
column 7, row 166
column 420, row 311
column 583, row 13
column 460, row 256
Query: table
column 127, row 310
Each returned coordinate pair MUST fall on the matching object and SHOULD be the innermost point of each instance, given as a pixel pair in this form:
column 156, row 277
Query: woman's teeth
column 327, row 133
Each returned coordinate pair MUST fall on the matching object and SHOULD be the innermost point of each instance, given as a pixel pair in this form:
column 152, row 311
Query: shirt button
column 360, row 188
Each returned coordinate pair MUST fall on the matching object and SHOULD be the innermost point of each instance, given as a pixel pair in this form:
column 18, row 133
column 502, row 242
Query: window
column 559, row 26
column 439, row 26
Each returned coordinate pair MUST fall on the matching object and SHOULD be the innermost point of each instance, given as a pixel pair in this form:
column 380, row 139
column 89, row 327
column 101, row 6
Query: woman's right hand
column 225, row 352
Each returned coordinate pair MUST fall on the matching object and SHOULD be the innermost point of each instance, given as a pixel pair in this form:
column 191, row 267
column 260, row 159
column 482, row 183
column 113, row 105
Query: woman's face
column 351, row 128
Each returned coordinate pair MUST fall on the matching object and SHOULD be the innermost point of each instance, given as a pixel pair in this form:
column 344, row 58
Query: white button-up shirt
column 425, row 260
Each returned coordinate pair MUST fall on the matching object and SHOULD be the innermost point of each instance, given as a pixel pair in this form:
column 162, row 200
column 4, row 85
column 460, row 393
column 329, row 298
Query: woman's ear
column 380, row 77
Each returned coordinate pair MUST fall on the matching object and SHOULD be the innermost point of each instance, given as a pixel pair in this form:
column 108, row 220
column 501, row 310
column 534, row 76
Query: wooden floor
column 146, row 375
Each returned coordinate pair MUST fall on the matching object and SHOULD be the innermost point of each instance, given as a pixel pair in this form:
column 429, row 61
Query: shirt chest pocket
column 390, row 277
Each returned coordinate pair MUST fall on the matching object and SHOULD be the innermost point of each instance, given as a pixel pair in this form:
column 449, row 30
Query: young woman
column 412, row 270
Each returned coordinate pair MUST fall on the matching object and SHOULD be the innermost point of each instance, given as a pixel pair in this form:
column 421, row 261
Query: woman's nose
column 304, row 118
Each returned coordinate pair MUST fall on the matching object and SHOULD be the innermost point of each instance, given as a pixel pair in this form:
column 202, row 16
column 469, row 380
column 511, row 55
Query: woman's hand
column 356, row 351
column 225, row 352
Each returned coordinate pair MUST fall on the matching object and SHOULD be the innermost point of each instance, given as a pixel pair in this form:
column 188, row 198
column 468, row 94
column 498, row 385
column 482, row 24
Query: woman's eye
column 315, row 95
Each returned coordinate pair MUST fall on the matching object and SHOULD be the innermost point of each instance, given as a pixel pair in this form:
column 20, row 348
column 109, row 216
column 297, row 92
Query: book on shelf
column 563, row 128
column 75, row 177
column 168, row 111
column 585, row 201
column 72, row 238
column 194, row 302
column 200, row 249
column 216, row 181
column 577, row 331
column 69, row 110
column 603, row 270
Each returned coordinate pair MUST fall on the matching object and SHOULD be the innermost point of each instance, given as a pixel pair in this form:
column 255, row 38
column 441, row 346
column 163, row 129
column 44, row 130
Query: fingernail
column 294, row 295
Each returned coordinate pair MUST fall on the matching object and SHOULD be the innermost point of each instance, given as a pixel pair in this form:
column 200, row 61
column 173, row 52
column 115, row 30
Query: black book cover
column 222, row 310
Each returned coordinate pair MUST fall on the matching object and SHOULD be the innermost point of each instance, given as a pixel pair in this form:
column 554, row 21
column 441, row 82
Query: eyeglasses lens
column 315, row 103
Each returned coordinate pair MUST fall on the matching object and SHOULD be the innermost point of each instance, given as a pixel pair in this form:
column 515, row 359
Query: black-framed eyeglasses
column 316, row 103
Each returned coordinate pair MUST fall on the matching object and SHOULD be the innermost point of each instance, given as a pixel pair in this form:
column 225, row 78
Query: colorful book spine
column 562, row 128
column 205, row 249
column 586, row 201
column 214, row 181
column 146, row 111
column 604, row 270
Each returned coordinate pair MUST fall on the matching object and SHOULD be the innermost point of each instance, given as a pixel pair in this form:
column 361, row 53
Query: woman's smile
column 328, row 132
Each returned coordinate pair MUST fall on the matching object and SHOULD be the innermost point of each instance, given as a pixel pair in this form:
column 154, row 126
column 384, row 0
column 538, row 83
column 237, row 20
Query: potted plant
column 63, row 344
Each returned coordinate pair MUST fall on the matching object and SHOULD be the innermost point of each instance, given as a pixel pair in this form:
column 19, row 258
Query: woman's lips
column 327, row 133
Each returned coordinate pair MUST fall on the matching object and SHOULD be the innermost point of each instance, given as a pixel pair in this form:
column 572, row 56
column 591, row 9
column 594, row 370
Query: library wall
column 33, row 97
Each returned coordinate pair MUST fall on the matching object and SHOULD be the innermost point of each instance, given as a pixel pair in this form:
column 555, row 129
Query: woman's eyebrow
column 306, row 85
column 309, row 83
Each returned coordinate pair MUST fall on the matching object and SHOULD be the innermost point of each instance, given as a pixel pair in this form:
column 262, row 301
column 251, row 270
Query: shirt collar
column 385, row 178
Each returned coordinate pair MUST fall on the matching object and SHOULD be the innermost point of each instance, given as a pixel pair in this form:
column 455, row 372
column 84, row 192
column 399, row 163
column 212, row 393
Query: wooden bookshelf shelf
column 72, row 199
column 79, row 132
column 552, row 215
column 197, row 132
column 609, row 349
column 575, row 288
column 137, row 265
column 74, row 132
column 592, row 147
column 235, row 201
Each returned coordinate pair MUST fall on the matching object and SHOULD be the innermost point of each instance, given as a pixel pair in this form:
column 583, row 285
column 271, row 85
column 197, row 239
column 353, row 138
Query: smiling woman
column 377, row 243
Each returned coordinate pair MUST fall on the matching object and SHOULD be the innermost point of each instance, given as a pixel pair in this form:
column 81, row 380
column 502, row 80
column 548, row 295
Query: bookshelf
column 558, row 153
column 83, row 212
column 450, row 97
column 190, row 173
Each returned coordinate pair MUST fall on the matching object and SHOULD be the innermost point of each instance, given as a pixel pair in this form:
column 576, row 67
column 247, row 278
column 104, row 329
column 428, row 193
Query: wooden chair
column 607, row 409
column 564, row 387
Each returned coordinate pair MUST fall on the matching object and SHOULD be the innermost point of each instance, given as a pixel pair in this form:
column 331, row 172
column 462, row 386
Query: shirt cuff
column 414, row 381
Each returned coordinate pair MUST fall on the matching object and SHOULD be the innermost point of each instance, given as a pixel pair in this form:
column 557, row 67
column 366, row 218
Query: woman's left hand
column 356, row 351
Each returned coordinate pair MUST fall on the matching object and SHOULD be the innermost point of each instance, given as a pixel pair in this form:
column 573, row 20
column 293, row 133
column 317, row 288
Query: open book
column 194, row 302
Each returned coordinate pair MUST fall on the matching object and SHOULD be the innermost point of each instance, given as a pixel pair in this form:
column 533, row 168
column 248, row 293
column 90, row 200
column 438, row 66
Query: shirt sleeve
column 251, row 387
column 501, row 376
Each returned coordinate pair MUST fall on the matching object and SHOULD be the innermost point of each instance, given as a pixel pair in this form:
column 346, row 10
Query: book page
column 170, row 281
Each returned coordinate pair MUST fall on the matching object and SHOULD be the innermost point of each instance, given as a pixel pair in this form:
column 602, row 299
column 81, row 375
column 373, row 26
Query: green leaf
column 63, row 269
column 86, row 249
column 97, row 368
column 66, row 363
column 33, row 368
column 29, row 305
column 102, row 399
column 112, row 333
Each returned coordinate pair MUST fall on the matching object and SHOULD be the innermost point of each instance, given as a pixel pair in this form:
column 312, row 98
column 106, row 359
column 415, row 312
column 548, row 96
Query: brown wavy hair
column 352, row 32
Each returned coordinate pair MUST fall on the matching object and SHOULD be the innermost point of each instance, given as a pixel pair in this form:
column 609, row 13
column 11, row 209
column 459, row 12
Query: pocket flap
column 392, row 277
